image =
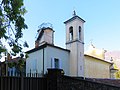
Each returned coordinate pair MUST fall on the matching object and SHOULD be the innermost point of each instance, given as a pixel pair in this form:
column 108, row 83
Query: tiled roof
column 97, row 58
column 45, row 45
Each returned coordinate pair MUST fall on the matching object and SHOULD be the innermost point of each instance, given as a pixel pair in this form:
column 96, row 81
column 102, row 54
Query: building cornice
column 44, row 46
column 97, row 58
column 73, row 18
column 72, row 41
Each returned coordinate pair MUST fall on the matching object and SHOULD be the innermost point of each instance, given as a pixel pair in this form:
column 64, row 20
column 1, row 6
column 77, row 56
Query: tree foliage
column 117, row 74
column 12, row 23
column 18, row 64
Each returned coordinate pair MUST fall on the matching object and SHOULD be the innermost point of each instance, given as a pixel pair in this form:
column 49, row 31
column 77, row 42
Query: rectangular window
column 56, row 63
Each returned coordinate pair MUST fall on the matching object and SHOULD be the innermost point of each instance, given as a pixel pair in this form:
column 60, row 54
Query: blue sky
column 102, row 18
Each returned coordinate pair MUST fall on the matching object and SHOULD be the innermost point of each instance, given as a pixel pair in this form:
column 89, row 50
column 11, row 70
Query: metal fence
column 54, row 80
column 23, row 83
column 34, row 75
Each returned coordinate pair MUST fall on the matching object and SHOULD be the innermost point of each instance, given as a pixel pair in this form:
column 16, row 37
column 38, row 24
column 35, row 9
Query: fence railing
column 34, row 75
column 23, row 83
column 54, row 80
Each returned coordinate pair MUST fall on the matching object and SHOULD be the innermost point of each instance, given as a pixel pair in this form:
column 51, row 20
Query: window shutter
column 52, row 63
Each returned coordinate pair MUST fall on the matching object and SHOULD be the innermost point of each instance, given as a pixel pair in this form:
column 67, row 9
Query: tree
column 18, row 64
column 117, row 74
column 12, row 24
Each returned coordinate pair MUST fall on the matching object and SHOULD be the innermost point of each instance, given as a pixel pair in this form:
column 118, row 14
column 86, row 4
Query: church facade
column 72, row 59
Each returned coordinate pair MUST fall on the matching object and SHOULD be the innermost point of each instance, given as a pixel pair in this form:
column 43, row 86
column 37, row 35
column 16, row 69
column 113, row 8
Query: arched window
column 79, row 36
column 71, row 33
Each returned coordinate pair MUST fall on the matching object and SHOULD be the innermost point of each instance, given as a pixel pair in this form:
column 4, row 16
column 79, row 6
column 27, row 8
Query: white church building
column 46, row 55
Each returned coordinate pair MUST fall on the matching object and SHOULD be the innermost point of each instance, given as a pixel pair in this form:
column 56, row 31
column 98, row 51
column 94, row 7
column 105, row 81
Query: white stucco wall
column 47, row 37
column 35, row 60
column 62, row 55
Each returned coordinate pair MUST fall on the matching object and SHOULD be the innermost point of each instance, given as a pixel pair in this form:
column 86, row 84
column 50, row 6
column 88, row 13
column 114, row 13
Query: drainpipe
column 43, row 61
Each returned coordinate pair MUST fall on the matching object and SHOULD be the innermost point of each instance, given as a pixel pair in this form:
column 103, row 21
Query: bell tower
column 75, row 43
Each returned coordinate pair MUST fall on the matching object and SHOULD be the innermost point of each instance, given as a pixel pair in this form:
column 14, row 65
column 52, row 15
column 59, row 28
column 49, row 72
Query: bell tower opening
column 79, row 36
column 71, row 33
